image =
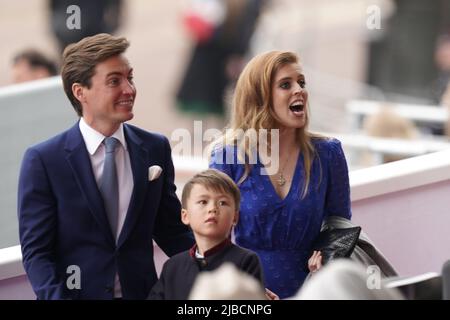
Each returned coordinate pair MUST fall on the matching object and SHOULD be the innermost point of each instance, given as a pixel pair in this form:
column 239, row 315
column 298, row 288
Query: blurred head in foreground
column 344, row 279
column 226, row 283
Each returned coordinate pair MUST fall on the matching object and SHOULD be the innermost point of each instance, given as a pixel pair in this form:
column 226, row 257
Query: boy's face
column 210, row 214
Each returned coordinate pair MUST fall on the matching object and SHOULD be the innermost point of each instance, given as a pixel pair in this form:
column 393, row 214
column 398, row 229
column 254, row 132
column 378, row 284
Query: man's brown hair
column 214, row 180
column 80, row 59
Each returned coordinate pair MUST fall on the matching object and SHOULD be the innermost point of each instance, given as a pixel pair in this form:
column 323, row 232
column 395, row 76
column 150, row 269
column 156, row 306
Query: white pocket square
column 154, row 172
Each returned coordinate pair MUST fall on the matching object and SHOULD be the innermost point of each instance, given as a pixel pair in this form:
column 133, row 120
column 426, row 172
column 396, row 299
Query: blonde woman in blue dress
column 281, row 212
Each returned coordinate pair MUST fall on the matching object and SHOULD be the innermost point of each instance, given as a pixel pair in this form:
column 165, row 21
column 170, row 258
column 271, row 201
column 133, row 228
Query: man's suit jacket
column 62, row 219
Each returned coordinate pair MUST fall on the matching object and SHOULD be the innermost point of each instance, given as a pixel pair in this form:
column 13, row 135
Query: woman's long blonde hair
column 252, row 108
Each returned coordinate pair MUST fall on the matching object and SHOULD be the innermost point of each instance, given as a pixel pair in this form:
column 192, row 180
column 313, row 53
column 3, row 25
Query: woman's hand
column 315, row 262
column 271, row 296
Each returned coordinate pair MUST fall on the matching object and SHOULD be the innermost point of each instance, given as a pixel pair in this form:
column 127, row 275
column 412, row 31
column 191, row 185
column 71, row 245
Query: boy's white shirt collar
column 198, row 255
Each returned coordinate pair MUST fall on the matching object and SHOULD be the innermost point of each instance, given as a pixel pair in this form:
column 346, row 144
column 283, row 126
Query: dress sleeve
column 222, row 159
column 338, row 186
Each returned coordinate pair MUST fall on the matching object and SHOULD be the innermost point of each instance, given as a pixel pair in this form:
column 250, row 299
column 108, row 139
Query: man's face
column 110, row 99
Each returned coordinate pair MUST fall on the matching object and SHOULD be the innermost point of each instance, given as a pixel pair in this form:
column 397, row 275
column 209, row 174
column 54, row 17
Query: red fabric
column 200, row 29
column 225, row 243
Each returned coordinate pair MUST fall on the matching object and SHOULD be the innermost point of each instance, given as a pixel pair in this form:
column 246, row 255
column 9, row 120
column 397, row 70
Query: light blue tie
column 108, row 184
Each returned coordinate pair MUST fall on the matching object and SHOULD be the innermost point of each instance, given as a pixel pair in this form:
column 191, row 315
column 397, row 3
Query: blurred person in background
column 442, row 60
column 442, row 85
column 31, row 65
column 386, row 123
column 221, row 30
column 99, row 16
column 446, row 103
column 401, row 54
column 281, row 212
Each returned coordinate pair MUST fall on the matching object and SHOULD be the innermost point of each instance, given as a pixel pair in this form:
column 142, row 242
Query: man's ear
column 184, row 217
column 78, row 91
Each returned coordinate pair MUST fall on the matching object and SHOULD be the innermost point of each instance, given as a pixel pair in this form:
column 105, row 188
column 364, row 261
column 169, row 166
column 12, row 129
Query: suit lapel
column 80, row 163
column 139, row 160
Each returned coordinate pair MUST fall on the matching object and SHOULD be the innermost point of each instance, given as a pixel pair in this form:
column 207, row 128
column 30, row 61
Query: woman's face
column 289, row 96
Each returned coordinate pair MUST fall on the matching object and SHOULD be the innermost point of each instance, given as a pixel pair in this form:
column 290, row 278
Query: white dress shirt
column 96, row 149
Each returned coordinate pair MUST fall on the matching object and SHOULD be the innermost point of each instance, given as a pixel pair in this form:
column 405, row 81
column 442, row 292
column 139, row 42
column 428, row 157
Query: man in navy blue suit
column 68, row 231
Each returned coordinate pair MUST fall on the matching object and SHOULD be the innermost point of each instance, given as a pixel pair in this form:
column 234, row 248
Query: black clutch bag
column 336, row 243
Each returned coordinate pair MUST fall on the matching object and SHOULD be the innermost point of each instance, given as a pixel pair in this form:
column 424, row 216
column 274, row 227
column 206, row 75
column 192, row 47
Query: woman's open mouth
column 297, row 109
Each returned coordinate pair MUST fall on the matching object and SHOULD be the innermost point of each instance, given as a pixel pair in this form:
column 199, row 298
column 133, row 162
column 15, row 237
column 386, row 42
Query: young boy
column 210, row 202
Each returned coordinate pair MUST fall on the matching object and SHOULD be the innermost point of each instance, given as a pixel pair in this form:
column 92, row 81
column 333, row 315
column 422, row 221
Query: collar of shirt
column 198, row 255
column 93, row 138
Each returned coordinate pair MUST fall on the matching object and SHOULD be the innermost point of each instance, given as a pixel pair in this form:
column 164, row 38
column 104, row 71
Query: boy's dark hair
column 215, row 180
column 36, row 59
column 80, row 59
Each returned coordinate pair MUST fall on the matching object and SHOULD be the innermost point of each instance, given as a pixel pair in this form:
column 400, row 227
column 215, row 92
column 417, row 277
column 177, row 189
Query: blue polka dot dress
column 281, row 231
